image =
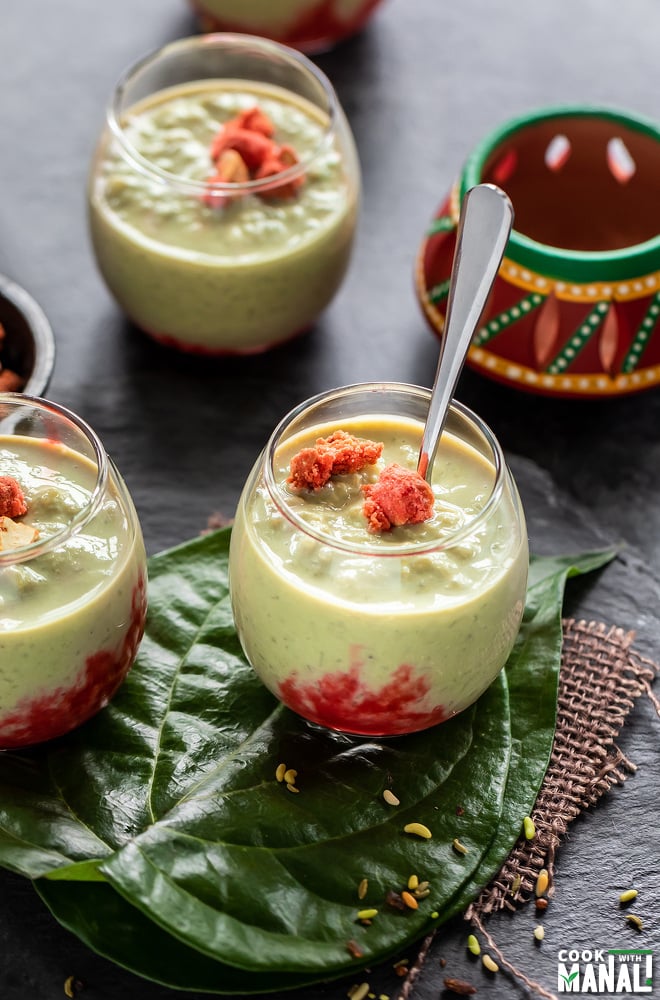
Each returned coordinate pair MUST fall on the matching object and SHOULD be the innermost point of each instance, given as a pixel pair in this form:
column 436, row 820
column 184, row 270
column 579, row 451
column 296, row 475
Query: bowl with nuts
column 27, row 345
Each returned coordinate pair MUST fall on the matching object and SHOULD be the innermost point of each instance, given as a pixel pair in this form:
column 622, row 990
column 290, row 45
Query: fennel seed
column 418, row 830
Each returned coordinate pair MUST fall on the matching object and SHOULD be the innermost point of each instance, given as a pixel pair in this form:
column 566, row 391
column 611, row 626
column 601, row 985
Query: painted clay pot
column 309, row 25
column 575, row 308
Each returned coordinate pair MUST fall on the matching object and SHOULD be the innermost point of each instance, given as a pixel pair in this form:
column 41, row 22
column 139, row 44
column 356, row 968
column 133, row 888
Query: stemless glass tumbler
column 72, row 573
column 379, row 634
column 309, row 25
column 224, row 194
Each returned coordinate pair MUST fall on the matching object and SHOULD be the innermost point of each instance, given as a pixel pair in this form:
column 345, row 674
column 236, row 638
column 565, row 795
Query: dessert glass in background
column 72, row 601
column 384, row 634
column 575, row 310
column 228, row 267
column 309, row 25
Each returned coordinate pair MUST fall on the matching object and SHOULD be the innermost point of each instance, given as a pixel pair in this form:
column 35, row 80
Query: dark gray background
column 421, row 86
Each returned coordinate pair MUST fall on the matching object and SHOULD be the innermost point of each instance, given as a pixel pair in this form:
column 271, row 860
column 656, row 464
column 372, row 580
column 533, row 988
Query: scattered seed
column 292, row 788
column 542, row 882
column 443, row 962
column 383, row 996
column 635, row 921
column 529, row 828
column 473, row 945
column 460, row 987
column 490, row 964
column 421, row 893
column 539, row 932
column 461, row 848
column 353, row 948
column 542, row 903
column 413, row 882
column 394, row 900
column 290, row 776
column 391, row 798
column 71, row 986
column 363, row 888
column 401, row 968
column 358, row 992
column 367, row 914
column 435, row 915
column 418, row 830
column 280, row 772
column 515, row 885
column 409, row 900
column 626, row 896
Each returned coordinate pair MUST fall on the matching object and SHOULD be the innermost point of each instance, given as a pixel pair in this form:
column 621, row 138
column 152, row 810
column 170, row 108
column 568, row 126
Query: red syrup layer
column 223, row 352
column 44, row 716
column 314, row 31
column 344, row 701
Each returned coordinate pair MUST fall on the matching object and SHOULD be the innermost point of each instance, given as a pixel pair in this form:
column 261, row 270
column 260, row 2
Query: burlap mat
column 601, row 677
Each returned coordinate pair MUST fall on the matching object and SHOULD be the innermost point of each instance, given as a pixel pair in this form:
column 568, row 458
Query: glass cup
column 379, row 634
column 206, row 252
column 309, row 25
column 73, row 583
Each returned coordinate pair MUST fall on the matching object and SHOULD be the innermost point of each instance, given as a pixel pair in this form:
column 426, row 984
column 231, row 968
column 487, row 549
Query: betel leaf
column 111, row 926
column 184, row 758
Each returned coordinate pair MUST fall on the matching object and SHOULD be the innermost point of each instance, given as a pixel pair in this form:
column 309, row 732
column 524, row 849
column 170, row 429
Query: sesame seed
column 391, row 798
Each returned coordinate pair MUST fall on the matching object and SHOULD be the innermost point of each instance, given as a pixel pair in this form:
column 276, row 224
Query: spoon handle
column 483, row 231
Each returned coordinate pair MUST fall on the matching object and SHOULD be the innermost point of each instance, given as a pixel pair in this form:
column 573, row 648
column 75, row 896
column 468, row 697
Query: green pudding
column 232, row 278
column 387, row 633
column 72, row 605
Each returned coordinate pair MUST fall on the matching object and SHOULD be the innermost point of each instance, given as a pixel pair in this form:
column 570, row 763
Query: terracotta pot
column 574, row 311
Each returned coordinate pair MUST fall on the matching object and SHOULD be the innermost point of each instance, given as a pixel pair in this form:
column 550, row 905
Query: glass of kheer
column 72, row 573
column 310, row 25
column 378, row 632
column 223, row 194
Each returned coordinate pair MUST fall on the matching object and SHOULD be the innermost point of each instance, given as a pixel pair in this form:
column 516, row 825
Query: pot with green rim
column 574, row 311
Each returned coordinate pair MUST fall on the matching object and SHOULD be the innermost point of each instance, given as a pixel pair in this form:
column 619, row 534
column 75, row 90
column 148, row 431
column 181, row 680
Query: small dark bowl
column 29, row 346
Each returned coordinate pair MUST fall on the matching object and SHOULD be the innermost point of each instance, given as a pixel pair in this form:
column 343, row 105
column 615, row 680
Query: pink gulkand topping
column 337, row 455
column 400, row 496
column 12, row 500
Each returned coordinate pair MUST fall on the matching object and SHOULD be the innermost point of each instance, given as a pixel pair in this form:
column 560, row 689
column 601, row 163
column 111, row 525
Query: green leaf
column 170, row 795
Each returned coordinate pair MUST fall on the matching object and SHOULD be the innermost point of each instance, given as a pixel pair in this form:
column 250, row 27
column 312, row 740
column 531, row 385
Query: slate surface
column 421, row 86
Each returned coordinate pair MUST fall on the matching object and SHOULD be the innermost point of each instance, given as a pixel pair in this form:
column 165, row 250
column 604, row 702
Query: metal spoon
column 483, row 232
